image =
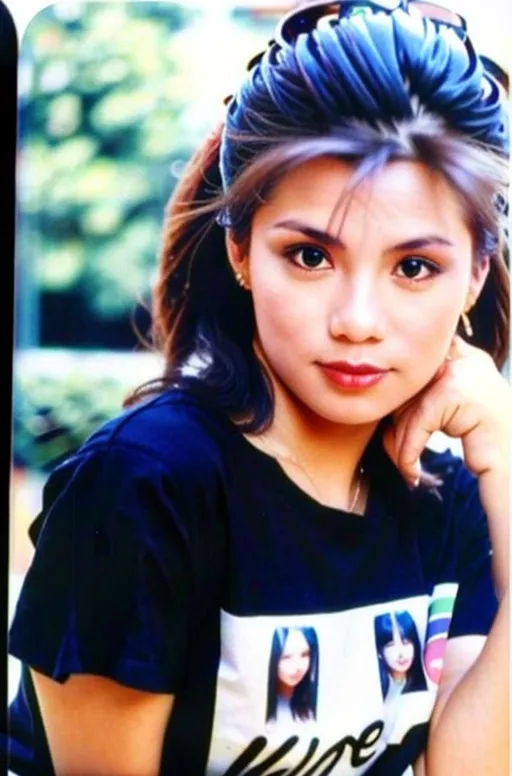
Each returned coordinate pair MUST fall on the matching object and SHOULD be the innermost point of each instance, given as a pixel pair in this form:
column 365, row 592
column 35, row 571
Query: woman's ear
column 478, row 278
column 238, row 259
column 234, row 251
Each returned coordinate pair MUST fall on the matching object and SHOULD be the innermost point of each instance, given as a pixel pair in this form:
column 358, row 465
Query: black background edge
column 8, row 135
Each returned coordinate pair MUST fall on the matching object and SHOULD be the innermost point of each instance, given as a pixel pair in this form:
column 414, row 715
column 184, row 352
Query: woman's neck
column 284, row 691
column 398, row 676
column 322, row 457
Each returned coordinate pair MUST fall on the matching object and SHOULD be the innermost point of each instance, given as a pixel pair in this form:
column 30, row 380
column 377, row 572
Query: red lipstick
column 351, row 375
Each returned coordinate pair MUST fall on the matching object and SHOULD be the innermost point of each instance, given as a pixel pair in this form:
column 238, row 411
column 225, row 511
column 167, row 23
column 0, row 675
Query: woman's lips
column 350, row 375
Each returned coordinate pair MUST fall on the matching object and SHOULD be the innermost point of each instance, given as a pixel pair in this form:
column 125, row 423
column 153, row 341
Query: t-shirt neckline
column 298, row 495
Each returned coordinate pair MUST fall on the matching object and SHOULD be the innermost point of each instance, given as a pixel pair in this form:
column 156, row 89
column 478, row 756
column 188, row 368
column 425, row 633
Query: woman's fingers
column 393, row 442
column 406, row 439
column 464, row 399
column 420, row 426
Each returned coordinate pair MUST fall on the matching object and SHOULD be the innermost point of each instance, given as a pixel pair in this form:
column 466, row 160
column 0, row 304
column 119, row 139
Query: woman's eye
column 308, row 257
column 414, row 268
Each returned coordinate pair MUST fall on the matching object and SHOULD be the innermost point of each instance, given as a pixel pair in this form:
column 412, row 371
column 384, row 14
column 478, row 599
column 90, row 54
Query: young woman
column 333, row 262
column 293, row 675
column 399, row 653
column 399, row 657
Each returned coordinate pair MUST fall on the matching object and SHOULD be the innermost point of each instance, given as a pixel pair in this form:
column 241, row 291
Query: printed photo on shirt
column 338, row 720
column 399, row 654
column 293, row 675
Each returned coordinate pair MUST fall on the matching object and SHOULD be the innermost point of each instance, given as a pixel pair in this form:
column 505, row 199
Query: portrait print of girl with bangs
column 333, row 264
column 293, row 676
column 399, row 653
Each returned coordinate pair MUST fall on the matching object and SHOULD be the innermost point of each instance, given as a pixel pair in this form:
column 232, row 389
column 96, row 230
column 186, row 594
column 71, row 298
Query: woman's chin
column 349, row 412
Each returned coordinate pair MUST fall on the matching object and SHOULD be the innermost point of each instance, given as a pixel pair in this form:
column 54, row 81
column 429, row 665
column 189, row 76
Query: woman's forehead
column 295, row 639
column 407, row 194
column 328, row 177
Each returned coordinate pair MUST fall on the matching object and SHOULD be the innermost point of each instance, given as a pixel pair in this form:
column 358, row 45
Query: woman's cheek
column 283, row 317
column 429, row 338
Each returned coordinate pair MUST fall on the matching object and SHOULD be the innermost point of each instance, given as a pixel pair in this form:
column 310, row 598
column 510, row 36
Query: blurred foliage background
column 113, row 99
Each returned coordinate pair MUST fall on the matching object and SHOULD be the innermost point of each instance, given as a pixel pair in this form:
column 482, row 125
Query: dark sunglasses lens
column 301, row 22
column 496, row 72
column 439, row 14
column 304, row 20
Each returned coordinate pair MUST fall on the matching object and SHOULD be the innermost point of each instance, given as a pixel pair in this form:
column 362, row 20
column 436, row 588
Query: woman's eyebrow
column 422, row 242
column 309, row 231
column 329, row 239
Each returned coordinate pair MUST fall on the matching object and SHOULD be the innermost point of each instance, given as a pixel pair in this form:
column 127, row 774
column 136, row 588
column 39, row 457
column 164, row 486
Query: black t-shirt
column 173, row 556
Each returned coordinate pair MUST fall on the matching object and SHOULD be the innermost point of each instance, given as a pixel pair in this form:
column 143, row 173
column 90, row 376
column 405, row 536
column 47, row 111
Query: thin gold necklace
column 291, row 459
column 353, row 503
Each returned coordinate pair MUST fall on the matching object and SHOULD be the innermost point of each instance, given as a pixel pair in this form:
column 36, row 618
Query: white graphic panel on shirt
column 326, row 693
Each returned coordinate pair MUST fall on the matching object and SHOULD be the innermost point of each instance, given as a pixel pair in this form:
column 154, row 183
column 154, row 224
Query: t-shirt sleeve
column 119, row 572
column 476, row 603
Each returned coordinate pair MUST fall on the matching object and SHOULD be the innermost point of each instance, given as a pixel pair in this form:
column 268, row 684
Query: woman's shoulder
column 163, row 452
column 449, row 480
column 449, row 468
column 443, row 501
column 170, row 440
column 173, row 429
column 455, row 499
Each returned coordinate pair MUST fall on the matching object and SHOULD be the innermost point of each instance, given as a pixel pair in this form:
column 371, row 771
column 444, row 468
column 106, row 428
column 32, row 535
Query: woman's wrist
column 494, row 491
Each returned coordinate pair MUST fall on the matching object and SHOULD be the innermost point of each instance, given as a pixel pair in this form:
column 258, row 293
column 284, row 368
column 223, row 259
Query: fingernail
column 414, row 479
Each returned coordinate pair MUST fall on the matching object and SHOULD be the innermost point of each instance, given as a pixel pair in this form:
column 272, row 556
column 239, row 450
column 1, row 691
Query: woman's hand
column 467, row 399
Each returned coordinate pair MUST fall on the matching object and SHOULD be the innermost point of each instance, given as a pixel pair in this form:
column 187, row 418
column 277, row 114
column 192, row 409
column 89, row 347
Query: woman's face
column 295, row 660
column 398, row 653
column 384, row 289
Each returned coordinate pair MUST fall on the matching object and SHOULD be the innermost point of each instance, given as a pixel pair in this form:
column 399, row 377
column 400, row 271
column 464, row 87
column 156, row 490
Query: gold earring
column 466, row 323
column 241, row 281
column 468, row 329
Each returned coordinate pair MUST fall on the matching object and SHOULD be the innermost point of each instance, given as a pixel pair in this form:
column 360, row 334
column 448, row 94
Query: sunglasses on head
column 304, row 19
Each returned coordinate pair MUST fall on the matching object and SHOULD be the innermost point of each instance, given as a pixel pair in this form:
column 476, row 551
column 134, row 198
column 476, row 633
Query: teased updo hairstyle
column 367, row 90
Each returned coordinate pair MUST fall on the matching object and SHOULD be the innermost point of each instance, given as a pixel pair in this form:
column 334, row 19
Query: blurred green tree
column 113, row 98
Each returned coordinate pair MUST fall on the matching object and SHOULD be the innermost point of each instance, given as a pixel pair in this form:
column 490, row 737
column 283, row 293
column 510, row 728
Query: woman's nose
column 356, row 312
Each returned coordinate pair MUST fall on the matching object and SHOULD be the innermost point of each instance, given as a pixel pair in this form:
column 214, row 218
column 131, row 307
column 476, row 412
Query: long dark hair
column 383, row 626
column 307, row 102
column 304, row 696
